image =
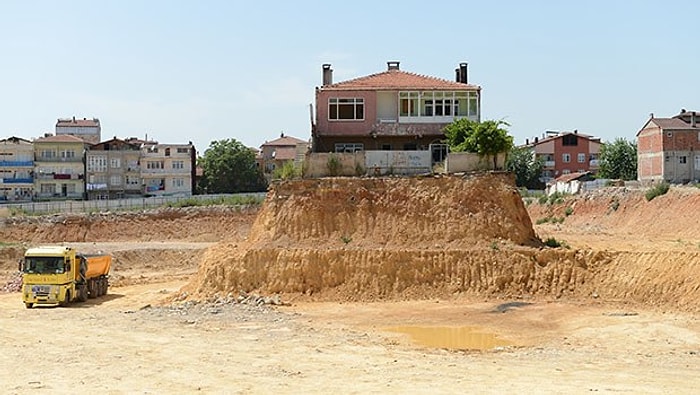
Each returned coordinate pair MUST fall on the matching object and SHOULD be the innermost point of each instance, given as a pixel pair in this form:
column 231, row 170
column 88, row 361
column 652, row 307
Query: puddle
column 452, row 338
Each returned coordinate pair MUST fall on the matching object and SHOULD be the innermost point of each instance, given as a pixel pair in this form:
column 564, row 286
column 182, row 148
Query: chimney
column 527, row 141
column 536, row 140
column 73, row 118
column 682, row 110
column 457, row 74
column 463, row 72
column 692, row 119
column 327, row 74
column 392, row 65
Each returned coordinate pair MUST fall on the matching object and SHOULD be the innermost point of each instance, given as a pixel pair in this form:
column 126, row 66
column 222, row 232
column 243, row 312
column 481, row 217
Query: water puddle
column 452, row 338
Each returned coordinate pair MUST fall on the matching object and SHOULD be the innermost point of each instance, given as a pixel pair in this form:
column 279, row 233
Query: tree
column 618, row 160
column 527, row 169
column 487, row 139
column 229, row 167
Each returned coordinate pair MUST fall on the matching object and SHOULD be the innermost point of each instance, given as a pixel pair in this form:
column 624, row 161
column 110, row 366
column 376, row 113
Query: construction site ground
column 145, row 336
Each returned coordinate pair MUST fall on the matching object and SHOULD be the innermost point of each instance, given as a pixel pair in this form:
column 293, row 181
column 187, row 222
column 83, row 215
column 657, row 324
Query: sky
column 200, row 71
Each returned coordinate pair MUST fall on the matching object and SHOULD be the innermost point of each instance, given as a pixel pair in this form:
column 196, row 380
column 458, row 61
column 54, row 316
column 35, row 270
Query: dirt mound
column 360, row 239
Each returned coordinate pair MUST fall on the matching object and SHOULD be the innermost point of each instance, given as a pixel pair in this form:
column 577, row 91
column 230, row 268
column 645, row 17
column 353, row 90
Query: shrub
column 554, row 243
column 287, row 171
column 569, row 210
column 657, row 190
column 333, row 165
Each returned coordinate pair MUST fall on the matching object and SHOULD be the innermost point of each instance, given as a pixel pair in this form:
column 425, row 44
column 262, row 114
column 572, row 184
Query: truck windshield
column 44, row 265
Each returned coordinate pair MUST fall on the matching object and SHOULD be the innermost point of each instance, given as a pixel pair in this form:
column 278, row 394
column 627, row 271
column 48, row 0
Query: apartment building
column 113, row 170
column 59, row 170
column 16, row 169
column 168, row 169
column 565, row 153
column 88, row 130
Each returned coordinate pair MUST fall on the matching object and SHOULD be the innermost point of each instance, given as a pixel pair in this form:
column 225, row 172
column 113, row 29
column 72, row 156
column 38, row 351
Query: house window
column 682, row 160
column 349, row 147
column 566, row 158
column 70, row 188
column 581, row 158
column 68, row 154
column 97, row 163
column 115, row 163
column 47, row 154
column 115, row 180
column 346, row 109
column 566, row 171
column 178, row 164
column 48, row 189
column 408, row 104
column 167, row 152
column 182, row 150
column 154, row 165
column 569, row 140
column 178, row 182
column 132, row 180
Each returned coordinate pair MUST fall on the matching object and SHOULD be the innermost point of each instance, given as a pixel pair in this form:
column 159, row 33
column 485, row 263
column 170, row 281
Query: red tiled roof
column 72, row 122
column 285, row 153
column 671, row 123
column 284, row 141
column 560, row 135
column 399, row 79
column 60, row 138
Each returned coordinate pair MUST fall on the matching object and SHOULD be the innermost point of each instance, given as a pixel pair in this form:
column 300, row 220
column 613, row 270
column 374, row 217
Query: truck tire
column 92, row 288
column 83, row 293
column 29, row 305
column 65, row 302
column 105, row 286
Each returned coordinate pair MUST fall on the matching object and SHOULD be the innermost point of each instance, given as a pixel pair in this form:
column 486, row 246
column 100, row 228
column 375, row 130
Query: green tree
column 487, row 139
column 618, row 160
column 527, row 169
column 229, row 167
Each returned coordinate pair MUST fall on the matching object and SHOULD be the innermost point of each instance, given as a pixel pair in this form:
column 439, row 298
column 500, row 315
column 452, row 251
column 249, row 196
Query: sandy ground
column 126, row 343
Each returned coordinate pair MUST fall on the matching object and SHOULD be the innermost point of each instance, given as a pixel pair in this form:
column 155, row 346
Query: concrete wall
column 467, row 161
column 398, row 162
column 316, row 164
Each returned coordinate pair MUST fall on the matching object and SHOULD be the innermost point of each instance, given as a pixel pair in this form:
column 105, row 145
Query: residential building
column 87, row 129
column 168, row 169
column 59, row 170
column 113, row 170
column 565, row 153
column 391, row 110
column 668, row 149
column 16, row 169
column 275, row 153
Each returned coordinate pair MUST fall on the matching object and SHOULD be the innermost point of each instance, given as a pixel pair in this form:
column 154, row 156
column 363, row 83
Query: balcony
column 593, row 163
column 549, row 163
column 17, row 180
column 16, row 163
column 56, row 159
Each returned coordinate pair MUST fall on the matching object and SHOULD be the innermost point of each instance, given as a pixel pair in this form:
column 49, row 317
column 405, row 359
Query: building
column 168, row 169
column 113, row 170
column 565, row 153
column 391, row 110
column 274, row 154
column 668, row 149
column 59, row 170
column 87, row 129
column 16, row 169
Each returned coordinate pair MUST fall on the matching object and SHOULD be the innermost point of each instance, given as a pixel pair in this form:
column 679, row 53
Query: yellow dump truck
column 60, row 275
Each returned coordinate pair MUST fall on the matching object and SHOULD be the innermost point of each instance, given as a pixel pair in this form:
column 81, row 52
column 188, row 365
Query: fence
column 86, row 206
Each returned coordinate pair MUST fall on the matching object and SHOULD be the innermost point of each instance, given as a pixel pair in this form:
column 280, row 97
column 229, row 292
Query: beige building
column 168, row 169
column 16, row 169
column 87, row 129
column 59, row 171
column 113, row 170
column 274, row 154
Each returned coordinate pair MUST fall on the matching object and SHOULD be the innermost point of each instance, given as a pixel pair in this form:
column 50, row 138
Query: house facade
column 86, row 129
column 274, row 154
column 168, row 169
column 565, row 153
column 59, row 170
column 668, row 149
column 113, row 170
column 16, row 169
column 391, row 110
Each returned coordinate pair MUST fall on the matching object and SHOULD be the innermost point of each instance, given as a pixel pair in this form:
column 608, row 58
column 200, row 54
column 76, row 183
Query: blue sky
column 200, row 71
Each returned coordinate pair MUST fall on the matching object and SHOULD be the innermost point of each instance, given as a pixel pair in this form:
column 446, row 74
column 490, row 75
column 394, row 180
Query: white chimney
column 327, row 74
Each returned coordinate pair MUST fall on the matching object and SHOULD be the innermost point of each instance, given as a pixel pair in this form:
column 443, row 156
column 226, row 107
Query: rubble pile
column 14, row 284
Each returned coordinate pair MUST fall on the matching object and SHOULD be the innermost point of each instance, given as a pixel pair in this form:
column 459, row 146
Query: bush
column 657, row 190
column 333, row 165
column 569, row 210
column 554, row 243
column 287, row 171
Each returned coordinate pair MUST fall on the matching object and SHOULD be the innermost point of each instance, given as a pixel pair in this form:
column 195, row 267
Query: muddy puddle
column 452, row 338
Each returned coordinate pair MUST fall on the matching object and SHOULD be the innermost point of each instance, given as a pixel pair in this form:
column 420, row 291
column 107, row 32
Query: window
column 167, row 152
column 682, row 160
column 581, row 158
column 183, row 150
column 115, row 163
column 97, row 163
column 178, row 164
column 132, row 180
column 178, row 182
column 386, row 147
column 668, row 158
column 346, row 109
column 48, row 188
column 410, row 147
column 566, row 158
column 70, row 188
column 569, row 140
column 115, row 180
column 68, row 154
column 566, row 171
column 348, row 147
column 408, row 104
column 154, row 165
column 47, row 154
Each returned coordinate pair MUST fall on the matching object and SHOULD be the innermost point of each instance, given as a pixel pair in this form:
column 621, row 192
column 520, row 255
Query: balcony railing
column 16, row 163
column 56, row 159
column 17, row 180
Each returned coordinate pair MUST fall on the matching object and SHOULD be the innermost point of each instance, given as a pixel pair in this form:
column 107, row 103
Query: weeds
column 550, row 219
column 554, row 243
column 346, row 239
column 569, row 210
column 657, row 190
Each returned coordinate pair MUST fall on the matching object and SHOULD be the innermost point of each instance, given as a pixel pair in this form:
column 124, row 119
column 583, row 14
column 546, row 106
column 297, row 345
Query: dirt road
column 125, row 343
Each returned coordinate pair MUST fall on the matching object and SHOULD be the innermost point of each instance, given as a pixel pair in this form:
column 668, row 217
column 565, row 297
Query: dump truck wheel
column 83, row 293
column 65, row 302
column 28, row 305
column 105, row 286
